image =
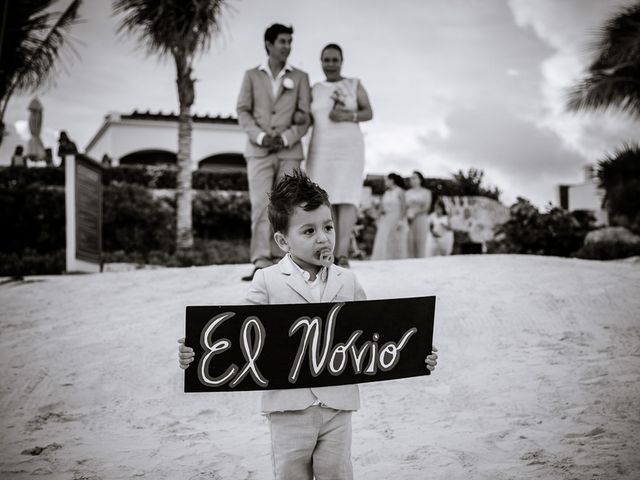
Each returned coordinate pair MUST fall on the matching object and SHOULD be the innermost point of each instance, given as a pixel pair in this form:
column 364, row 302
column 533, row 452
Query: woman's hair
column 439, row 203
column 332, row 46
column 295, row 190
column 397, row 179
column 19, row 150
column 420, row 176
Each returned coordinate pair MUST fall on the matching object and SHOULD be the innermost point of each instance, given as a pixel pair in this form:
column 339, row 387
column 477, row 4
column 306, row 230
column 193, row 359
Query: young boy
column 310, row 427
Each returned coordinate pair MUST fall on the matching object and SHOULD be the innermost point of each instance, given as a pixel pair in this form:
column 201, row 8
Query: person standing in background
column 336, row 150
column 65, row 147
column 418, row 205
column 17, row 159
column 391, row 234
column 440, row 237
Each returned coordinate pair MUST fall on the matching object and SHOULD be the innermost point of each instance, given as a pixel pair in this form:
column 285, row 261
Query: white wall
column 123, row 137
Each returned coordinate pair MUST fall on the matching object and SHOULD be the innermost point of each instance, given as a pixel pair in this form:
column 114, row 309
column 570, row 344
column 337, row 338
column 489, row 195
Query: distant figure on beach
column 17, row 159
column 336, row 149
column 440, row 237
column 271, row 95
column 392, row 228
column 310, row 427
column 65, row 147
column 418, row 206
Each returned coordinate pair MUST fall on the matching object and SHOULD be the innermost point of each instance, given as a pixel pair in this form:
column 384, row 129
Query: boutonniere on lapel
column 287, row 83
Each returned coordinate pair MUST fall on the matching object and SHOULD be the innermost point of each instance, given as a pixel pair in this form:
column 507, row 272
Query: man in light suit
column 272, row 95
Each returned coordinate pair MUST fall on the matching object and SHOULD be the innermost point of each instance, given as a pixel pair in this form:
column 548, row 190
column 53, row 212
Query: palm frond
column 167, row 26
column 43, row 45
column 613, row 78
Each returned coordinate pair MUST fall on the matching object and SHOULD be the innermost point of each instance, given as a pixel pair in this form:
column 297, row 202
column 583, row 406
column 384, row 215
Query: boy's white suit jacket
column 281, row 283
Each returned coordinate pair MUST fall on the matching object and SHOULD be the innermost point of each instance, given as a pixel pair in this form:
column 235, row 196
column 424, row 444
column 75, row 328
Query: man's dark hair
column 295, row 190
column 271, row 33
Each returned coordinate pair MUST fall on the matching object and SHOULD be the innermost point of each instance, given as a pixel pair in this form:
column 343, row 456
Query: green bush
column 134, row 221
column 221, row 214
column 33, row 218
column 30, row 262
column 205, row 252
column 619, row 176
column 19, row 177
column 164, row 177
column 556, row 232
column 608, row 250
column 149, row 176
column 206, row 180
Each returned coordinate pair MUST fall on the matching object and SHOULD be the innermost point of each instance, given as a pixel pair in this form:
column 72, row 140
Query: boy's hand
column 185, row 354
column 432, row 360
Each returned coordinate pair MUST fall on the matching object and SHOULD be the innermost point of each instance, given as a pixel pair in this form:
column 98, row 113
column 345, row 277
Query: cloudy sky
column 454, row 85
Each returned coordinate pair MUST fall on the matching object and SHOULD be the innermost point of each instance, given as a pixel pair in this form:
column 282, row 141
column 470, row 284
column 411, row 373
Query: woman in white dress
column 440, row 237
column 418, row 207
column 391, row 234
column 336, row 151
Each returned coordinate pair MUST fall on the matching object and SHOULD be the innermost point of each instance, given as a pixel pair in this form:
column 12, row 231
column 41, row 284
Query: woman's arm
column 364, row 112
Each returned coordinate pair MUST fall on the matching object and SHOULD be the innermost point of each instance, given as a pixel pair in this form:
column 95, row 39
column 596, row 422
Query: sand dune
column 539, row 376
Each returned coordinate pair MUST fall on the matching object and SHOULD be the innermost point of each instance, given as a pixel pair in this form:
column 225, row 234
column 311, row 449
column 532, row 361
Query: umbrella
column 35, row 148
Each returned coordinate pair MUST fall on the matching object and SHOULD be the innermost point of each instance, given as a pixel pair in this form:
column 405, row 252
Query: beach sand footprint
column 43, row 419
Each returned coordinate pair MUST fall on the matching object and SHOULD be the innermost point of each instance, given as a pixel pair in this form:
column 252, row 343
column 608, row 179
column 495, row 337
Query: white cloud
column 22, row 129
column 570, row 29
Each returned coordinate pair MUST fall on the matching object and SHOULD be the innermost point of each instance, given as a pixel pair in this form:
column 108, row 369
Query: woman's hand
column 340, row 114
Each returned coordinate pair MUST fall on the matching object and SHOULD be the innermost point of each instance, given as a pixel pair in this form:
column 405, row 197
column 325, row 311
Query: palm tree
column 182, row 29
column 613, row 79
column 31, row 41
column 619, row 176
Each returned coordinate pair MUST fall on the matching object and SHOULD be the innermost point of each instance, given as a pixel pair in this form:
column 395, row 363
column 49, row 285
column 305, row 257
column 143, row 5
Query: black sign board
column 265, row 347
column 88, row 176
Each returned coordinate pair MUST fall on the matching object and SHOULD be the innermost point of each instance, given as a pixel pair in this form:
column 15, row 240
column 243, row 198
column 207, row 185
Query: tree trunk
column 184, row 231
column 184, row 195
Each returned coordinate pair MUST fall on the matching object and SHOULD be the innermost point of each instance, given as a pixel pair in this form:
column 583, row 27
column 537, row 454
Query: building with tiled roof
column 152, row 139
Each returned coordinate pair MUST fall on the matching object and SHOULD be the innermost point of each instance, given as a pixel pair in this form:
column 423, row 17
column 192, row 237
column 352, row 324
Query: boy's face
column 310, row 234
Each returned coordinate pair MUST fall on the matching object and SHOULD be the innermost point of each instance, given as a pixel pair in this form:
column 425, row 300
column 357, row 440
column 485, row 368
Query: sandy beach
column 539, row 376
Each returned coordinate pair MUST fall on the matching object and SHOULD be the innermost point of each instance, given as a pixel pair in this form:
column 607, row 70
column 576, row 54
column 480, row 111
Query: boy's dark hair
column 295, row 190
column 271, row 33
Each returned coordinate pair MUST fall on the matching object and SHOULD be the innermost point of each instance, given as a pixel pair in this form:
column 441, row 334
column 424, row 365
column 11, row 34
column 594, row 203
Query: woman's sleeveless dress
column 336, row 152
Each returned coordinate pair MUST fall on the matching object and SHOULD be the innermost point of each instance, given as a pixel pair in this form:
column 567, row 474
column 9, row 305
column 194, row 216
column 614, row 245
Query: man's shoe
column 249, row 278
column 343, row 261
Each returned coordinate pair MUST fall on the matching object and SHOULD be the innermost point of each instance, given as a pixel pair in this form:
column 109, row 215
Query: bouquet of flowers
column 338, row 97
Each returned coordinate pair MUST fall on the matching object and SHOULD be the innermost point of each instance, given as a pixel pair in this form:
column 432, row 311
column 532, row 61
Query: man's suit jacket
column 258, row 111
column 281, row 283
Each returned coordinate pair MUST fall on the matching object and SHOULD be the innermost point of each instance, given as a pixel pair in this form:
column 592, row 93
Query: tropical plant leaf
column 613, row 79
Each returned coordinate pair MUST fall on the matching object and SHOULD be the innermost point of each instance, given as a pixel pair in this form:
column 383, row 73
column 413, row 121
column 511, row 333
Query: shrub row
column 529, row 231
column 148, row 176
column 162, row 177
column 133, row 221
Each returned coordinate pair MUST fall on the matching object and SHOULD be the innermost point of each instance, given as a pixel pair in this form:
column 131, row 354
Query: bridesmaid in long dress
column 391, row 236
column 418, row 206
column 336, row 150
